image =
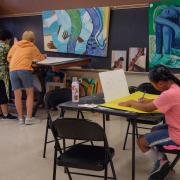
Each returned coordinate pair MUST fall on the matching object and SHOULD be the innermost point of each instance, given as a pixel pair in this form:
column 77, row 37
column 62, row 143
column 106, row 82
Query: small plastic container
column 75, row 90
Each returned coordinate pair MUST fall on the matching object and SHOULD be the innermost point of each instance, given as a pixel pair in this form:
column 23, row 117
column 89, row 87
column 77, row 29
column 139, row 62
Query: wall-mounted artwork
column 77, row 31
column 137, row 59
column 164, row 33
column 118, row 59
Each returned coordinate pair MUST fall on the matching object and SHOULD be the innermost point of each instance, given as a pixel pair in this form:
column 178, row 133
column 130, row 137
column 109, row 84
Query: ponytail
column 175, row 79
column 162, row 73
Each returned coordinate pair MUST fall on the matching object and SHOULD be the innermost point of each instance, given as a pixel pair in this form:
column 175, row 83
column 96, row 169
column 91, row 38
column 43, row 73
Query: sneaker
column 9, row 116
column 21, row 121
column 30, row 121
column 155, row 168
column 161, row 169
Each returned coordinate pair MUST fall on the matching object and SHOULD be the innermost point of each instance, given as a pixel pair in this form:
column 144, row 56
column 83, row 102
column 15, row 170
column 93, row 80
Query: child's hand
column 126, row 103
column 144, row 100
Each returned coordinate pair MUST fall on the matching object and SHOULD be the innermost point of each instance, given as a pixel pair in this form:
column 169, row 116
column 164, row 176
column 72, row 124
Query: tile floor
column 21, row 151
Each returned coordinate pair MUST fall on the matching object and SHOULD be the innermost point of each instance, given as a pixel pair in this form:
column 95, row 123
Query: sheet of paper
column 114, row 84
column 134, row 96
column 88, row 105
column 54, row 60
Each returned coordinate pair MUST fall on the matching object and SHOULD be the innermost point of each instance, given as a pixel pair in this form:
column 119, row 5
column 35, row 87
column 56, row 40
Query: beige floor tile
column 21, row 151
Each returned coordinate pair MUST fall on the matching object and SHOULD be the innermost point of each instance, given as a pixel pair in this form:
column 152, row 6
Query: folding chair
column 151, row 119
column 52, row 99
column 82, row 156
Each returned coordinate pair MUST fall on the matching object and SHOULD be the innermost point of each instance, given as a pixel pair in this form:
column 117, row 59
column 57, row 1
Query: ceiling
column 18, row 7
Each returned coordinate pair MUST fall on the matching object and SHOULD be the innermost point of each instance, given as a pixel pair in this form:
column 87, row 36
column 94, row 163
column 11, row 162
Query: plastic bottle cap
column 74, row 78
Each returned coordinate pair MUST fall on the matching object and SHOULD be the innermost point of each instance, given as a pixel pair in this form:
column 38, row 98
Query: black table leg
column 133, row 122
column 104, row 122
column 107, row 117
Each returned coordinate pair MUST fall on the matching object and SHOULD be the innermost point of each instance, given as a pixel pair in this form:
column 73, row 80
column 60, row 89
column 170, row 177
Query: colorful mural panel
column 164, row 33
column 77, row 31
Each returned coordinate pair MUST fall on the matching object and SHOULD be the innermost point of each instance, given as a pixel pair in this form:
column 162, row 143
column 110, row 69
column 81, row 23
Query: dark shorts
column 21, row 79
column 3, row 95
column 159, row 137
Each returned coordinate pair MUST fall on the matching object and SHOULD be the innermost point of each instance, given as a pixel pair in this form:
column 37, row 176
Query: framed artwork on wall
column 137, row 59
column 119, row 59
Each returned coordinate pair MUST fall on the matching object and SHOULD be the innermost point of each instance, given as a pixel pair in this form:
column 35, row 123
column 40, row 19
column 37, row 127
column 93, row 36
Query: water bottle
column 75, row 90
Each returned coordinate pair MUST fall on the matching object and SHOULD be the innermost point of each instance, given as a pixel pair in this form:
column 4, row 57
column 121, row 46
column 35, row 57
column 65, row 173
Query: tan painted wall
column 133, row 79
column 31, row 6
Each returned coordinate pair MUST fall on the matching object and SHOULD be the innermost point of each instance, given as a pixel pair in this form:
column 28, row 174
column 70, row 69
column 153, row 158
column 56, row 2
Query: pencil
column 143, row 95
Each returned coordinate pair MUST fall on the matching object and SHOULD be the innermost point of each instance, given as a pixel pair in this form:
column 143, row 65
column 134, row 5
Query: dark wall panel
column 29, row 6
column 17, row 25
column 128, row 28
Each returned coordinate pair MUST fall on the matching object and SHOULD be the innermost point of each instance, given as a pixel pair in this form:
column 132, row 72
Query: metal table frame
column 106, row 111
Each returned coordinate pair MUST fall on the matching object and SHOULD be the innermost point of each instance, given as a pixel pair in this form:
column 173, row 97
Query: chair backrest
column 148, row 88
column 55, row 97
column 132, row 89
column 79, row 129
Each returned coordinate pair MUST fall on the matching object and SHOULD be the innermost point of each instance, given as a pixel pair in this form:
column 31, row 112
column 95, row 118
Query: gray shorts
column 21, row 79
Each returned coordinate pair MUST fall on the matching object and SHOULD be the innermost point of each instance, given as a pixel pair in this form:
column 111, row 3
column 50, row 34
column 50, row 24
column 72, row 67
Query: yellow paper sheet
column 134, row 96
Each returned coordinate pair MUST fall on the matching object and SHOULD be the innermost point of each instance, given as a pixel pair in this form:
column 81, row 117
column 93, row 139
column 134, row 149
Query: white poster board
column 114, row 84
column 57, row 60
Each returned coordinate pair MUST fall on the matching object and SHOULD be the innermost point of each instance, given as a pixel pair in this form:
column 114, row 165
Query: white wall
column 134, row 79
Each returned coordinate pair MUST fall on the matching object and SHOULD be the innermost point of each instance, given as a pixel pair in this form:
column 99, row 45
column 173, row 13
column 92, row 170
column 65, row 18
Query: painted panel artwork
column 164, row 33
column 77, row 31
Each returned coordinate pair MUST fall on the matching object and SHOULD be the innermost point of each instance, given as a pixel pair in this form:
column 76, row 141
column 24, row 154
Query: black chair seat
column 162, row 149
column 151, row 119
column 85, row 157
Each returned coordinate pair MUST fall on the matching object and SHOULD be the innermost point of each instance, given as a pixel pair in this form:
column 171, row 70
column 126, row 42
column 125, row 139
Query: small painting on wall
column 118, row 59
column 137, row 59
column 77, row 31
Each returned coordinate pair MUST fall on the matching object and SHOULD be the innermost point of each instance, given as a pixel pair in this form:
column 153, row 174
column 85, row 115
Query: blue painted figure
column 167, row 37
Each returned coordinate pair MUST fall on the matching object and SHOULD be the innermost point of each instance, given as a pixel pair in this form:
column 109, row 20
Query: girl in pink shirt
column 167, row 134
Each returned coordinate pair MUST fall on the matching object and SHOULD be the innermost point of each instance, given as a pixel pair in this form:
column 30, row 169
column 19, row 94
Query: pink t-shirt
column 169, row 104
